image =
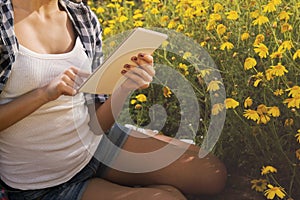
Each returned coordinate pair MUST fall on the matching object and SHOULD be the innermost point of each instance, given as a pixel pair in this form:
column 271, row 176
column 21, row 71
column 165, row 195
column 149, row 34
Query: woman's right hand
column 64, row 84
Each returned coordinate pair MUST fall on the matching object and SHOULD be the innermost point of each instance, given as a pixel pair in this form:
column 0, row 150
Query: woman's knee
column 214, row 178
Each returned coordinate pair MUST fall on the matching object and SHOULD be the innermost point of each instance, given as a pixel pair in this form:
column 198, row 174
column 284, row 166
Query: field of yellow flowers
column 256, row 47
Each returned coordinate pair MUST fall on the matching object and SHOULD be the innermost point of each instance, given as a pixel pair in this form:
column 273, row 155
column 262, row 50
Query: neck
column 44, row 7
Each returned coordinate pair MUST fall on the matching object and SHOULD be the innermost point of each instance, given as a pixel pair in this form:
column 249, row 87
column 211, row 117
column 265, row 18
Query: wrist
column 41, row 95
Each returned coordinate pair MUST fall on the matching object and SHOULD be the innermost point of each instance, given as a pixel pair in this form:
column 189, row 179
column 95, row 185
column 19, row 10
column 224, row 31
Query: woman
column 47, row 151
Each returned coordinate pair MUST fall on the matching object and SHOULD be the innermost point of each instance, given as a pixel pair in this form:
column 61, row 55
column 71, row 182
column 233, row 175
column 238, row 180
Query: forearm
column 16, row 110
column 109, row 111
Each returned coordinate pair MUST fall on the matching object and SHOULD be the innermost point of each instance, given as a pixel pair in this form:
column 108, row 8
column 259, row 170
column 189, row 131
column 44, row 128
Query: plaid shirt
column 84, row 20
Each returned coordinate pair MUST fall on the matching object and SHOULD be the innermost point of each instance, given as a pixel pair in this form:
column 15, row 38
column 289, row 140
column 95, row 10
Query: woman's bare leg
column 99, row 189
column 189, row 173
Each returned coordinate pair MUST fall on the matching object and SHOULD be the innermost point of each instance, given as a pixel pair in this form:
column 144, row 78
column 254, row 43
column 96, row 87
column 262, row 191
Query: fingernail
column 123, row 72
column 127, row 66
column 134, row 58
column 141, row 55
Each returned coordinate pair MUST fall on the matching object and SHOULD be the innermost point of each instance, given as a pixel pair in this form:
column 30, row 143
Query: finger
column 75, row 74
column 69, row 91
column 70, row 73
column 65, row 89
column 141, row 74
column 146, row 57
column 68, row 81
column 81, row 77
column 142, row 58
column 136, row 79
column 145, row 61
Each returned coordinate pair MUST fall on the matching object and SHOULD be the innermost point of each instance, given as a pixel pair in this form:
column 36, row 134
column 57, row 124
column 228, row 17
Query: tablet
column 108, row 75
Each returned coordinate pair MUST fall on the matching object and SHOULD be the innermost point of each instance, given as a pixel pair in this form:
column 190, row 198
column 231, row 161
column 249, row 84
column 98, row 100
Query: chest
column 44, row 34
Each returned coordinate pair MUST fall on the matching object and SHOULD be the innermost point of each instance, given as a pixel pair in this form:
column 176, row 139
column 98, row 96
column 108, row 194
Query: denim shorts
column 73, row 189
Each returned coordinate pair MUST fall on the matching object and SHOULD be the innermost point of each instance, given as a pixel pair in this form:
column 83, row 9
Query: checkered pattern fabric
column 86, row 25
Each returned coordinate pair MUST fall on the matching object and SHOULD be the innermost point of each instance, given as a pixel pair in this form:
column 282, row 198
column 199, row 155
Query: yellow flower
column 214, row 86
column 123, row 18
column 274, row 191
column 154, row 11
column 276, row 2
column 269, row 74
column 277, row 54
column 141, row 98
column 260, row 20
column 288, row 122
column 298, row 136
column 251, row 114
column 294, row 91
column 286, row 45
column 171, row 24
column 245, row 36
column 263, row 119
column 211, row 25
column 164, row 18
column 100, row 10
column 274, row 111
column 138, row 106
column 215, row 17
column 259, row 185
column 257, row 78
column 231, row 103
column 218, row 7
column 110, row 5
column 248, row 102
column 278, row 92
column 256, row 82
column 200, row 11
column 283, row 15
column 203, row 44
column 111, row 22
column 217, row 108
column 227, row 45
column 186, row 55
column 268, row 169
column 137, row 16
column 298, row 154
column 221, row 29
column 233, row 15
column 279, row 70
column 167, row 92
column 262, row 50
column 131, row 3
column 107, row 31
column 249, row 63
column 293, row 102
column 138, row 23
column 133, row 101
column 259, row 39
column 270, row 7
column 286, row 27
column 137, row 11
column 180, row 28
column 296, row 54
column 262, row 109
column 184, row 69
column 254, row 14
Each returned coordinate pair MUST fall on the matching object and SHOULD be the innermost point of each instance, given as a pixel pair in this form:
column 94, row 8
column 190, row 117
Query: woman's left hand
column 140, row 74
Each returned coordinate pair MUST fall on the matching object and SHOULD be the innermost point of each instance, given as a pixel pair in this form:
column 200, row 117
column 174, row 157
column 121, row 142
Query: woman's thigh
column 160, row 160
column 105, row 190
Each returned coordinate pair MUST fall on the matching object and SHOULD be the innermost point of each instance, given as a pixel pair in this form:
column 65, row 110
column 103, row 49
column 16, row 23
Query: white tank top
column 55, row 142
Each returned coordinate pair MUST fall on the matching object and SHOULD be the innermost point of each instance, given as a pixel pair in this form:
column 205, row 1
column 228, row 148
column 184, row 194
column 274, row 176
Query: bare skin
column 33, row 20
column 189, row 173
